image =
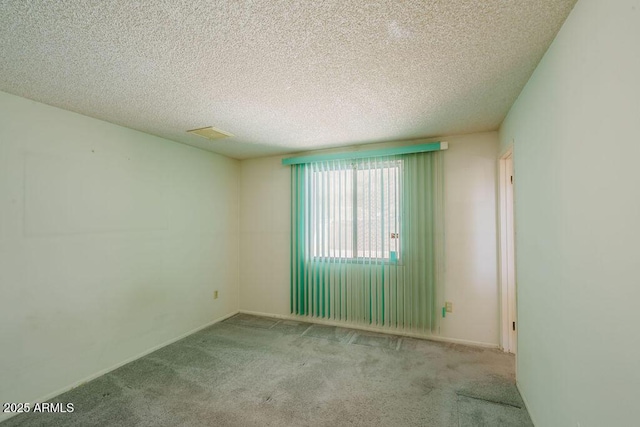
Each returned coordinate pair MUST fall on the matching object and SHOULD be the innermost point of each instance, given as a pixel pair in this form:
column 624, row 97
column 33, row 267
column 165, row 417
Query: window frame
column 354, row 167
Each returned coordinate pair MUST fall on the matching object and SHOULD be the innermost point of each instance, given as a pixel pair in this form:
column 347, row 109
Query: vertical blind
column 367, row 241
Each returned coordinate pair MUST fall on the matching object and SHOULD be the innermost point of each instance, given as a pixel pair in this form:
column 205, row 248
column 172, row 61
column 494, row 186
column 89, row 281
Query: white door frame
column 506, row 259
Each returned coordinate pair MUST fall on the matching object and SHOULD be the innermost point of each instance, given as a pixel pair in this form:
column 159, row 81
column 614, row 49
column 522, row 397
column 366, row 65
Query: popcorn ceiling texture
column 282, row 76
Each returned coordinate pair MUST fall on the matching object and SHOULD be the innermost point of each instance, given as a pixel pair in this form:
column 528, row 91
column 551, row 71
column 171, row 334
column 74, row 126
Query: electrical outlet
column 448, row 306
column 215, row 294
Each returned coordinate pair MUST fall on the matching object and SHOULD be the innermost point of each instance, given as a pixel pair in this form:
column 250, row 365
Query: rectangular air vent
column 210, row 133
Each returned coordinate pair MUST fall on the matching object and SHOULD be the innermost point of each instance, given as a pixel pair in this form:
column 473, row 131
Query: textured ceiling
column 282, row 76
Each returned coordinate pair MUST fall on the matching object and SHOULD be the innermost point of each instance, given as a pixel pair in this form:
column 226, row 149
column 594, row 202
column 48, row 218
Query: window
column 355, row 210
column 352, row 220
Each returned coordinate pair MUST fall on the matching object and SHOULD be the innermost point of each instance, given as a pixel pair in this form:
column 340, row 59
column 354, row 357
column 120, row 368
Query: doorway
column 507, row 270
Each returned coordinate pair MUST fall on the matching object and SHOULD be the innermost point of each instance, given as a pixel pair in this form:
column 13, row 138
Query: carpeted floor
column 258, row 371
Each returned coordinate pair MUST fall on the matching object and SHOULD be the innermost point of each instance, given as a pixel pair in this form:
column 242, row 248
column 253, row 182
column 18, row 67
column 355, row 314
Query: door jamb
column 507, row 290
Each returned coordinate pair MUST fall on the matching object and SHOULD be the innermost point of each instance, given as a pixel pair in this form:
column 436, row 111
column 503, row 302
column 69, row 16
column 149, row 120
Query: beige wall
column 470, row 211
column 576, row 130
column 112, row 242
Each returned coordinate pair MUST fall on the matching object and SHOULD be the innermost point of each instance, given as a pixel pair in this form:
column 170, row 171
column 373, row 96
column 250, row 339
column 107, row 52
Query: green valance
column 361, row 154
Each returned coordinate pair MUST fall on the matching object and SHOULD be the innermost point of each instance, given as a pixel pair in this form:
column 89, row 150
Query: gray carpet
column 257, row 371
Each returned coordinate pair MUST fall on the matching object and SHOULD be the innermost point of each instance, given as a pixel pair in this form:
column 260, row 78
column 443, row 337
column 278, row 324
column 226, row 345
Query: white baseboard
column 5, row 416
column 372, row 329
column 526, row 404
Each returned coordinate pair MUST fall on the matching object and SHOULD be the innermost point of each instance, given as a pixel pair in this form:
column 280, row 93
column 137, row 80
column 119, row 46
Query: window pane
column 332, row 213
column 377, row 210
column 341, row 218
column 373, row 203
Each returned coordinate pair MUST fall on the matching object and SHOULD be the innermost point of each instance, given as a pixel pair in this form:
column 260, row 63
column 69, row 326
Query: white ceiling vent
column 210, row 133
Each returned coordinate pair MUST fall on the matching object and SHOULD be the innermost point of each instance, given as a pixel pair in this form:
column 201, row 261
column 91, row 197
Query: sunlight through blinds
column 366, row 241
